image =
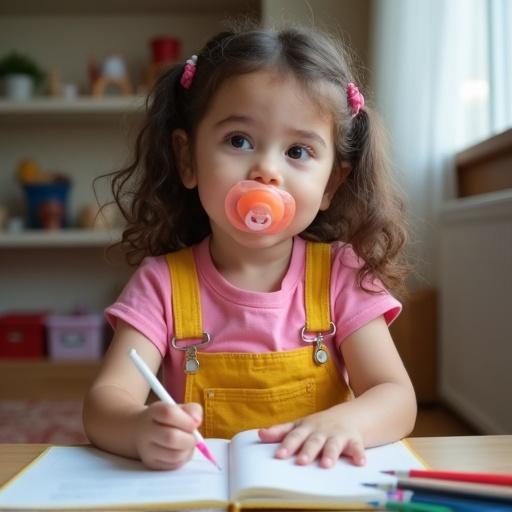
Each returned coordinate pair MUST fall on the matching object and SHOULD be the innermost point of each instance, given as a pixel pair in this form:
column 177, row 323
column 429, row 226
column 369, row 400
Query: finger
column 311, row 447
column 331, row 452
column 172, row 416
column 276, row 433
column 172, row 438
column 194, row 410
column 292, row 442
column 159, row 457
column 169, row 459
column 355, row 450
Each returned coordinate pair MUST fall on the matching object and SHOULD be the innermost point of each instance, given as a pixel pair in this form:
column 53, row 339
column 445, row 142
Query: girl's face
column 260, row 126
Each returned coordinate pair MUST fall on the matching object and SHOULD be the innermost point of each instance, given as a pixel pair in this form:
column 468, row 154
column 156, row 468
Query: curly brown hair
column 366, row 211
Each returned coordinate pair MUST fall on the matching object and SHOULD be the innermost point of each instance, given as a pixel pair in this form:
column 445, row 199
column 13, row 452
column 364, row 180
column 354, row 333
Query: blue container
column 40, row 197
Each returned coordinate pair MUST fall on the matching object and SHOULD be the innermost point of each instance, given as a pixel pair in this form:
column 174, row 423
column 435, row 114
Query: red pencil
column 459, row 476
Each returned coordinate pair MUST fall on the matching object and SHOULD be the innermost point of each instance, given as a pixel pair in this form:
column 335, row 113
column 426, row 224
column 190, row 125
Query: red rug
column 39, row 421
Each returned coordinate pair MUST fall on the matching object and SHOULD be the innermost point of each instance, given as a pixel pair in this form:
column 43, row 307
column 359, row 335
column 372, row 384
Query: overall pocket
column 228, row 411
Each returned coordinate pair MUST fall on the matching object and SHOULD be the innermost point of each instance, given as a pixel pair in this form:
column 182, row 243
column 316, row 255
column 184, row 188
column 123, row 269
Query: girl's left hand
column 325, row 435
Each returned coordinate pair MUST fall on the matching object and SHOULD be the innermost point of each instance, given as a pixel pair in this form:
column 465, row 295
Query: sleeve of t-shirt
column 354, row 307
column 145, row 302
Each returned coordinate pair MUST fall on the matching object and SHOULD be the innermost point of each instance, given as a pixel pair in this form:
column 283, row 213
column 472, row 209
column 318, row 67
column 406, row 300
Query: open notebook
column 84, row 477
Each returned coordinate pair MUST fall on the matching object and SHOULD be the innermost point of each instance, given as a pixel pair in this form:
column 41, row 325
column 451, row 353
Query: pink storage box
column 75, row 336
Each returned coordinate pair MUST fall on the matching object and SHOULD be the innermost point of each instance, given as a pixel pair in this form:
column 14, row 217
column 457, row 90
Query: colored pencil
column 162, row 393
column 459, row 476
column 456, row 488
column 415, row 507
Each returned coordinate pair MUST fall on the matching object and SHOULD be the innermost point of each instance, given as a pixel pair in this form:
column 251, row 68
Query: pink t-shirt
column 246, row 321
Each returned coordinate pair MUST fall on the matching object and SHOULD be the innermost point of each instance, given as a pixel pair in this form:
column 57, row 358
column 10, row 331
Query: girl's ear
column 338, row 176
column 183, row 153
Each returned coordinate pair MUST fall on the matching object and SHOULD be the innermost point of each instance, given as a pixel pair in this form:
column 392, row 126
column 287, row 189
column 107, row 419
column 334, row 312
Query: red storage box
column 22, row 335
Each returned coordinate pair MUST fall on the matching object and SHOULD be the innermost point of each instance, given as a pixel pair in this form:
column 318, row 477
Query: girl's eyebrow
column 235, row 119
column 304, row 134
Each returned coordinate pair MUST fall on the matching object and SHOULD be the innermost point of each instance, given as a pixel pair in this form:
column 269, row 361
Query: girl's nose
column 267, row 172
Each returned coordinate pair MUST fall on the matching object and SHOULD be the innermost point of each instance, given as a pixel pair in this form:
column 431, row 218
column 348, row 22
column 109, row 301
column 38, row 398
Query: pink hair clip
column 355, row 99
column 189, row 71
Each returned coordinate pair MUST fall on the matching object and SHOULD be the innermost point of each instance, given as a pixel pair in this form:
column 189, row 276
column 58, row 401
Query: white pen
column 161, row 393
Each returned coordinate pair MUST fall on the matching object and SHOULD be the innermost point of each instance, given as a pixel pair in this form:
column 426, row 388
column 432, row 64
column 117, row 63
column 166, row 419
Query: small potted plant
column 21, row 75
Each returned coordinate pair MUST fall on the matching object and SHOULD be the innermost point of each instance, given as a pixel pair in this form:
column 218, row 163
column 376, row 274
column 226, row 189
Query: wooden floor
column 436, row 420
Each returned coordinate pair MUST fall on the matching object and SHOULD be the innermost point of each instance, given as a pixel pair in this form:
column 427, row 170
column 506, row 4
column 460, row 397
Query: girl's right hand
column 163, row 435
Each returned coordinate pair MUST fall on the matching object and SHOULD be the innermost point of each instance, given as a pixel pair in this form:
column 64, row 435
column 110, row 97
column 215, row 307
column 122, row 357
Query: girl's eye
column 240, row 142
column 298, row 153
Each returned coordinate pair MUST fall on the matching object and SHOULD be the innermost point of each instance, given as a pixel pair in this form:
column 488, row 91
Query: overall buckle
column 191, row 362
column 320, row 355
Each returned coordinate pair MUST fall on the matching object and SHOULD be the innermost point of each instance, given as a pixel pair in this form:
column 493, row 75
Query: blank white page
column 253, row 466
column 71, row 477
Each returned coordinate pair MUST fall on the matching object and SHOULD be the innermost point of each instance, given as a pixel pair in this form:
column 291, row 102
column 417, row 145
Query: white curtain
column 431, row 82
column 500, row 42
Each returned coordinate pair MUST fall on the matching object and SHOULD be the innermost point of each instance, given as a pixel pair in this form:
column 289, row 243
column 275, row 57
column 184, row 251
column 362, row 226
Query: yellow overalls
column 241, row 391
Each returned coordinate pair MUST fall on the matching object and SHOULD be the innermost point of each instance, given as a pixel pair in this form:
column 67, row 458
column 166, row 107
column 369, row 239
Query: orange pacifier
column 254, row 207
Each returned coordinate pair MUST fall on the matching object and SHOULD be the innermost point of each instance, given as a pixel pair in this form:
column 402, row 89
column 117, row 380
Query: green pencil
column 415, row 507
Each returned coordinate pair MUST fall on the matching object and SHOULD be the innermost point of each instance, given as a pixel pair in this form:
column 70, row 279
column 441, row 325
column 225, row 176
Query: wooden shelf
column 44, row 379
column 63, row 238
column 81, row 105
column 84, row 7
column 485, row 167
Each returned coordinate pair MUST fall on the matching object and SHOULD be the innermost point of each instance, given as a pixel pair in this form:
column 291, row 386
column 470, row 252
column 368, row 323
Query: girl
column 264, row 216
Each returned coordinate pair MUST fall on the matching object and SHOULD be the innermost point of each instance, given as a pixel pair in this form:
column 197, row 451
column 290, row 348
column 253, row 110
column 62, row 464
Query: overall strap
column 186, row 302
column 317, row 287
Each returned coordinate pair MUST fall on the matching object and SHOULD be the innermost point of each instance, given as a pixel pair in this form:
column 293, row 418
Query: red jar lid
column 165, row 49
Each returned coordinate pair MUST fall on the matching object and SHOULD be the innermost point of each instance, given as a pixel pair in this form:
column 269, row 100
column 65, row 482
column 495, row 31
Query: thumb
column 194, row 410
column 276, row 433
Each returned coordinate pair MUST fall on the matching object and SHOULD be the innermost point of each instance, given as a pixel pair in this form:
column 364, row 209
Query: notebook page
column 71, row 477
column 254, row 468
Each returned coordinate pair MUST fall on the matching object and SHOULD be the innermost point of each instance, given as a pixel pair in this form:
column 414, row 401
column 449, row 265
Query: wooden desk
column 468, row 453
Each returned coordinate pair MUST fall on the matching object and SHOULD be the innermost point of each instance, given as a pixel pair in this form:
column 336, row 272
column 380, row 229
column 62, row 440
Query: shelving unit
column 82, row 138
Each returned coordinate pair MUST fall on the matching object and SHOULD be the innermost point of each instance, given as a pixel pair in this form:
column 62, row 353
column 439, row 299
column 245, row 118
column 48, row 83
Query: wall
column 475, row 284
column 347, row 18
